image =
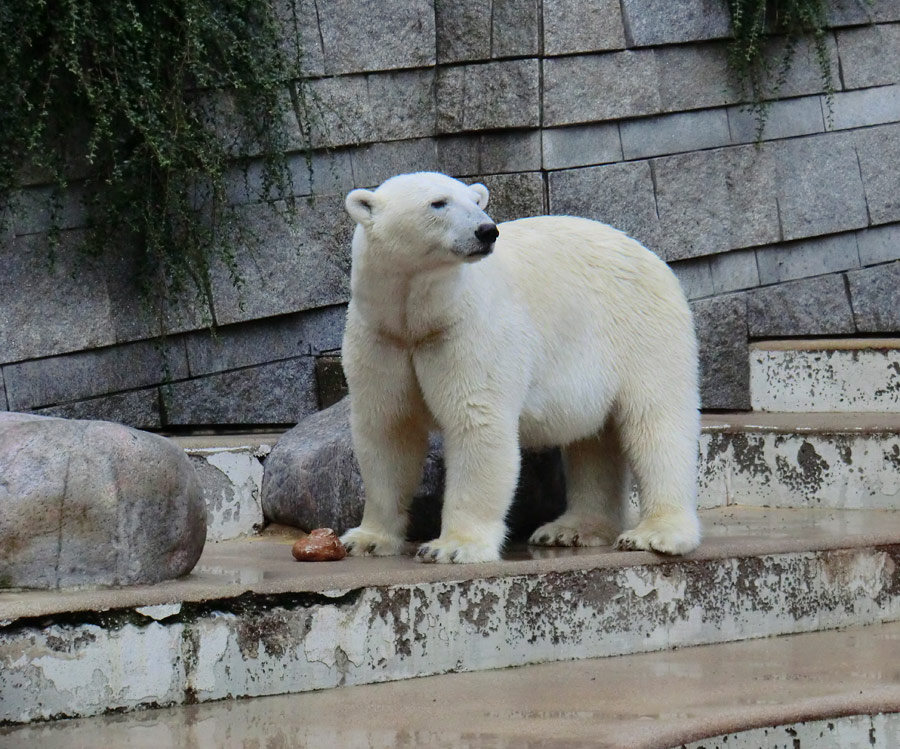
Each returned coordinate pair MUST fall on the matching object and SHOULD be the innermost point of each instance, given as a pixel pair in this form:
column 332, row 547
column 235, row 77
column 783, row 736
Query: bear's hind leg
column 661, row 446
column 596, row 493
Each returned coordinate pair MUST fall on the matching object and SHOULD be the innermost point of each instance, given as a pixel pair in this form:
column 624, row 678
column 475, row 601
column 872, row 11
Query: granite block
column 572, row 26
column 784, row 119
column 515, row 28
column 402, row 104
column 869, row 106
column 336, row 111
column 301, row 41
column 62, row 288
column 581, row 145
column 136, row 408
column 362, row 35
column 878, row 150
column 71, row 377
column 463, row 30
column 675, row 133
column 732, row 271
column 490, row 153
column 879, row 244
column 489, row 96
column 646, row 24
column 694, row 76
column 278, row 393
column 812, row 257
column 263, row 341
column 818, row 186
column 712, row 201
column 375, row 163
column 286, row 265
column 870, row 55
column 874, row 292
column 812, row 306
column 514, row 196
column 620, row 195
column 695, row 277
column 591, row 88
column 721, row 324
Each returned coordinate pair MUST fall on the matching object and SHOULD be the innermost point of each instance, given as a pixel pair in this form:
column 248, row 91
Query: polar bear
column 544, row 331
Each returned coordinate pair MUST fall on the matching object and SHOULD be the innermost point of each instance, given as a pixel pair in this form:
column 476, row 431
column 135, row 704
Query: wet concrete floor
column 644, row 701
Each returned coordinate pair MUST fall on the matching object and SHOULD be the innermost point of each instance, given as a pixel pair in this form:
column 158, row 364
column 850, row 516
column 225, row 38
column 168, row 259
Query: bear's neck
column 408, row 308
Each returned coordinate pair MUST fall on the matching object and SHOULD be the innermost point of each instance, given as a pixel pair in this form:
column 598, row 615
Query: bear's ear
column 481, row 194
column 360, row 205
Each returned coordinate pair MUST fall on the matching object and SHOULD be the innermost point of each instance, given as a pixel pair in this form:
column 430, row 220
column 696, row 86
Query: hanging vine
column 145, row 106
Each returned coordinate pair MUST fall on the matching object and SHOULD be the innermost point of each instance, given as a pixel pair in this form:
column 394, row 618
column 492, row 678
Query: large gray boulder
column 94, row 503
column 311, row 480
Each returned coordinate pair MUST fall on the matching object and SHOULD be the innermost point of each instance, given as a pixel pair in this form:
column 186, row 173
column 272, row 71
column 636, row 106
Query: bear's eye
column 438, row 203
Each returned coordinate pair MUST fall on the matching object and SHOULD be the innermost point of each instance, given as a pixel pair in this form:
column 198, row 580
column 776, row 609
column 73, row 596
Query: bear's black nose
column 487, row 233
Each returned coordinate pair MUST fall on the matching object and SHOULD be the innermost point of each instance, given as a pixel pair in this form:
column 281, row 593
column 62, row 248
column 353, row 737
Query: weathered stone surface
column 94, row 503
column 402, row 104
column 870, row 55
column 818, row 185
column 732, row 271
column 674, row 133
column 373, row 164
column 463, row 30
column 682, row 21
column 490, row 153
column 299, row 25
column 805, row 74
column 878, row 149
column 137, row 408
column 311, row 480
column 330, row 381
column 230, row 481
column 514, row 195
column 813, row 257
column 620, row 195
column 34, row 211
column 721, row 325
column 693, row 76
column 4, row 404
column 589, row 88
column 318, row 173
column 832, row 380
column 871, row 106
column 337, row 111
column 515, row 28
column 694, row 276
column 784, row 119
column 279, row 393
column 582, row 26
column 582, row 145
column 875, row 294
column 360, row 35
column 263, row 341
column 60, row 379
column 879, row 244
column 68, row 295
column 813, row 306
column 289, row 265
column 492, row 95
column 710, row 201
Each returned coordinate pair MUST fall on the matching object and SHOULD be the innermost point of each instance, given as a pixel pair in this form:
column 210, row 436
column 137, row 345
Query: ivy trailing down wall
column 142, row 107
column 761, row 67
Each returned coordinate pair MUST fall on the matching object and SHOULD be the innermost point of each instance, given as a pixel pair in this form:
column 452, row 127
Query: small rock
column 321, row 545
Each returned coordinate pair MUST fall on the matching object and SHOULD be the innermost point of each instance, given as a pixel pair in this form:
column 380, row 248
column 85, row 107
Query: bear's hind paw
column 564, row 534
column 664, row 534
column 360, row 542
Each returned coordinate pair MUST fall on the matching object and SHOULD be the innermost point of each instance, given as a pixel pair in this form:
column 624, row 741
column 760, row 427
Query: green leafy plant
column 143, row 108
column 760, row 66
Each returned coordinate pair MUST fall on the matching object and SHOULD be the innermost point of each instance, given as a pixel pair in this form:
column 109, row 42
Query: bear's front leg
column 482, row 463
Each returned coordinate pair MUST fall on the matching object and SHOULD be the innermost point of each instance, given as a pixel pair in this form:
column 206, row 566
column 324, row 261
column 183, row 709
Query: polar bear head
column 422, row 220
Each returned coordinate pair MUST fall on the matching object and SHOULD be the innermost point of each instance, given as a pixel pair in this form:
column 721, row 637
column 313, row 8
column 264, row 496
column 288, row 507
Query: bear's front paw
column 360, row 542
column 573, row 533
column 667, row 534
column 457, row 551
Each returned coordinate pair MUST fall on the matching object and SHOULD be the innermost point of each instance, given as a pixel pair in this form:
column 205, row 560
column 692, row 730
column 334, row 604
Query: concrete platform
column 251, row 621
column 826, row 690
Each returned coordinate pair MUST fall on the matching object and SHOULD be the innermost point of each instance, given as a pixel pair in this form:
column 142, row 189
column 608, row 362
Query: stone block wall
column 617, row 110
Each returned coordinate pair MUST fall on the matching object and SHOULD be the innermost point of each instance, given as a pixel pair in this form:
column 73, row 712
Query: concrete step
column 759, row 459
column 826, row 375
column 825, row 690
column 250, row 621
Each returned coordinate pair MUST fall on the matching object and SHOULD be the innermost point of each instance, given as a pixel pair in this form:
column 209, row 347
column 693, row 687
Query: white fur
column 570, row 333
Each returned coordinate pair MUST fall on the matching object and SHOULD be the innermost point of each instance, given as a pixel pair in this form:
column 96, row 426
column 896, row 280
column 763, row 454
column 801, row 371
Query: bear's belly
column 560, row 420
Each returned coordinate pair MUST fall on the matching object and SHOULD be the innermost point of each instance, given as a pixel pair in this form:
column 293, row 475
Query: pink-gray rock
column 94, row 503
column 311, row 480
